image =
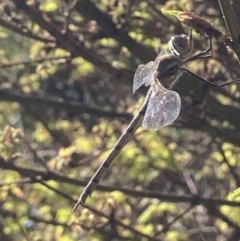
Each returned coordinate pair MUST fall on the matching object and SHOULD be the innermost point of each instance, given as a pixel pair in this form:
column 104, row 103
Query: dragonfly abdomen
column 123, row 140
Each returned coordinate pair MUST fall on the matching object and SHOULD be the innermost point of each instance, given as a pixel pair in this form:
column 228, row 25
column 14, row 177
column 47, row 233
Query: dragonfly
column 161, row 106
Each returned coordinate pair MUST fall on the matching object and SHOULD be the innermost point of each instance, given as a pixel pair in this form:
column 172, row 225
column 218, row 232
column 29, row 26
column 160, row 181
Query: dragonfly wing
column 143, row 75
column 162, row 110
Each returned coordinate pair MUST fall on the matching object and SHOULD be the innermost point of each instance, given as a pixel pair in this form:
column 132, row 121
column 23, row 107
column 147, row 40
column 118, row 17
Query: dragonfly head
column 169, row 68
column 180, row 46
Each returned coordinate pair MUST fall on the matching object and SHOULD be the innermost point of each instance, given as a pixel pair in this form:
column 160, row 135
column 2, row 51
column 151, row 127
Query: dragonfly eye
column 179, row 45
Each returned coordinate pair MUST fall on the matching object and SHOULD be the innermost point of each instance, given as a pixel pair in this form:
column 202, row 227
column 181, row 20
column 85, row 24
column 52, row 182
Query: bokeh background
column 66, row 76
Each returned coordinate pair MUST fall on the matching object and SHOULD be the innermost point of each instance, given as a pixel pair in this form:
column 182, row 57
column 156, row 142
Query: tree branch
column 31, row 62
column 89, row 10
column 193, row 199
column 67, row 42
column 28, row 34
column 60, row 104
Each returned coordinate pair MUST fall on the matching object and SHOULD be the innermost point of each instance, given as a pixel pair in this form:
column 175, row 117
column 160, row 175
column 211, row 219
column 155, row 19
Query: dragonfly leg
column 190, row 39
column 230, row 82
column 204, row 54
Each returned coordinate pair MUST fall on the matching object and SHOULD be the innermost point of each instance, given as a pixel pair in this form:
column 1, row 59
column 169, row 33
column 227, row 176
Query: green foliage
column 170, row 13
column 49, row 6
column 66, row 97
column 235, row 195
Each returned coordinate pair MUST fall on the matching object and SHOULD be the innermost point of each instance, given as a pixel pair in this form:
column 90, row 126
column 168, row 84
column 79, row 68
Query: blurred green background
column 66, row 76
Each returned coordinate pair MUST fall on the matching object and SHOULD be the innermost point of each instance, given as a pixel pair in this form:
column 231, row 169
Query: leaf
column 49, row 5
column 235, row 195
column 170, row 13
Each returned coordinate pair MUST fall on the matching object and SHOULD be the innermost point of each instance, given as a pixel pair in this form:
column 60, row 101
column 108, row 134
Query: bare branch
column 60, row 104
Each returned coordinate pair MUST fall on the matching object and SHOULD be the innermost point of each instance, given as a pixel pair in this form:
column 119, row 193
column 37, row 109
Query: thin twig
column 58, row 103
column 30, row 62
column 28, row 34
column 169, row 224
column 231, row 24
column 197, row 200
column 231, row 168
column 121, row 224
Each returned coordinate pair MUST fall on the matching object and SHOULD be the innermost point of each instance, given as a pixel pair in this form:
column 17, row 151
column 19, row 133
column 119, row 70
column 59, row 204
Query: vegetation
column 66, row 96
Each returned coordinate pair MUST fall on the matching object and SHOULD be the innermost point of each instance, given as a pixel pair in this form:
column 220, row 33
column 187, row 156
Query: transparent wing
column 145, row 73
column 163, row 108
column 141, row 75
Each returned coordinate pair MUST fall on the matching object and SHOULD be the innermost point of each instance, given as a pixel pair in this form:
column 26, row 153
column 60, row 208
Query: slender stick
column 232, row 25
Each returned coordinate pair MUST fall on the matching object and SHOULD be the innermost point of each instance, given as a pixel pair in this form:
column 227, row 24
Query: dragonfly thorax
column 169, row 68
